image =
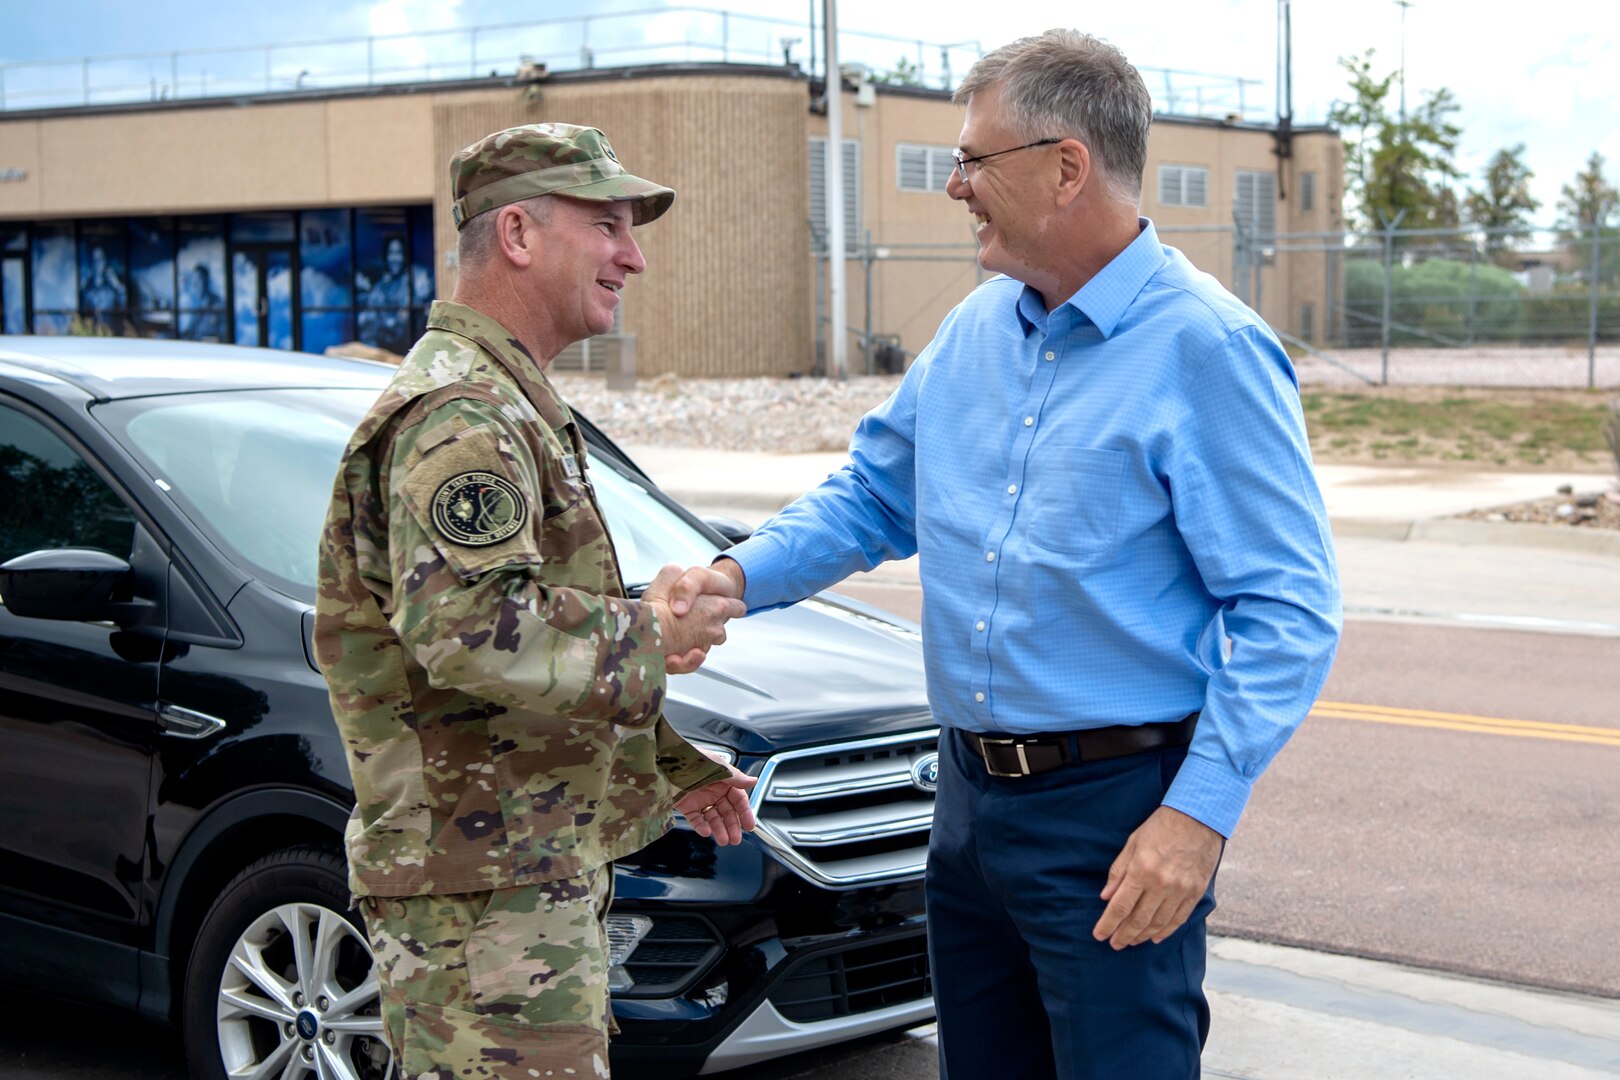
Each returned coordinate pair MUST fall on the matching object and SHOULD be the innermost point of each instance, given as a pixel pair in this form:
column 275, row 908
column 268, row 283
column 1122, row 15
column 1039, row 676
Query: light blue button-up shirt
column 1116, row 517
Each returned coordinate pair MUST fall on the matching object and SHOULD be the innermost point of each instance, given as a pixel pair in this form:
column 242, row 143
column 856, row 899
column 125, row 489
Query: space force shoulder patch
column 477, row 509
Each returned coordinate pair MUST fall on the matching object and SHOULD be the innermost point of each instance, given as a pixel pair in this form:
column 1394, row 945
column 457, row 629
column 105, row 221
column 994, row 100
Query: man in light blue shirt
column 1130, row 598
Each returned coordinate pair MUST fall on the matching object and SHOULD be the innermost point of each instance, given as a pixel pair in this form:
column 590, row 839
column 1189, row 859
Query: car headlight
column 716, row 751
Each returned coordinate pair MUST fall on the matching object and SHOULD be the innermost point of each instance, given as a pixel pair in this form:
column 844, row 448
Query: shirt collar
column 1104, row 299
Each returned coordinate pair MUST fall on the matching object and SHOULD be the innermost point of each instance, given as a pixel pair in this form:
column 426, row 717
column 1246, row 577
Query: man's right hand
column 692, row 608
column 702, row 580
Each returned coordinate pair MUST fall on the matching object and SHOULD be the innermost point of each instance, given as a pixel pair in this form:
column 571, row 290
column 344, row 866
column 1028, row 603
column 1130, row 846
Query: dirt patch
column 1519, row 429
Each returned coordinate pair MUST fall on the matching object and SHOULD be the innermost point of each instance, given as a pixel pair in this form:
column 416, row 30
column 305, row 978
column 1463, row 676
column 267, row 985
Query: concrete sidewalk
column 1293, row 1014
column 1400, row 553
column 1377, row 502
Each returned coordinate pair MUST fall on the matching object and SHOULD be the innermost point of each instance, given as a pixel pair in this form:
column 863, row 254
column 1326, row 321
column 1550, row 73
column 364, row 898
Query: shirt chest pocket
column 1075, row 494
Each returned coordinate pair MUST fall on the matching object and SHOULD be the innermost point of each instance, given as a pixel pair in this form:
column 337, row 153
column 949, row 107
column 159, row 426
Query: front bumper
column 788, row 967
column 767, row 1034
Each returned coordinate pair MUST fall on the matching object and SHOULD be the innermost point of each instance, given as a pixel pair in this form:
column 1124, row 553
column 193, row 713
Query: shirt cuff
column 1210, row 793
column 762, row 565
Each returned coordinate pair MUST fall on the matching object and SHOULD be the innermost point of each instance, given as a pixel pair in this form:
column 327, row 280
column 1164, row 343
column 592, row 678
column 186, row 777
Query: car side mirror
column 733, row 530
column 71, row 584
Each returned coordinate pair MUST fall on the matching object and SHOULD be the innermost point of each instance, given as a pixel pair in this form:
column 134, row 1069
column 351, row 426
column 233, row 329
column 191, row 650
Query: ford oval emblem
column 925, row 773
column 308, row 1026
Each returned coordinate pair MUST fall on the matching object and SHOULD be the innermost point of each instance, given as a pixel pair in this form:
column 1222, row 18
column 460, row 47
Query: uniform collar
column 495, row 339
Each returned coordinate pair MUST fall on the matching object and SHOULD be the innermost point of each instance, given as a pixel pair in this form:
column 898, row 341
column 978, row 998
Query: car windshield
column 253, row 470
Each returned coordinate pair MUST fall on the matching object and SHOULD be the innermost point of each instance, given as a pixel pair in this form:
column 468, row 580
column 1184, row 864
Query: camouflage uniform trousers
column 504, row 984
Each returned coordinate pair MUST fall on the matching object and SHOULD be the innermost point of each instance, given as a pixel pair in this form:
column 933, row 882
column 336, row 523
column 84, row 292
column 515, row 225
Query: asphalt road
column 1417, row 827
column 1428, row 835
column 1404, row 821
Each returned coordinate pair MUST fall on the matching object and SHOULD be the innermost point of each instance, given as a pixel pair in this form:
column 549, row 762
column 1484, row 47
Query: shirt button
column 1012, row 489
column 1051, row 356
column 979, row 626
column 1029, row 421
column 989, row 556
column 978, row 697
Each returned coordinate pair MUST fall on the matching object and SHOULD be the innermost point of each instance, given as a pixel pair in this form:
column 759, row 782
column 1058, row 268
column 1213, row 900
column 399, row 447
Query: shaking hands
column 693, row 607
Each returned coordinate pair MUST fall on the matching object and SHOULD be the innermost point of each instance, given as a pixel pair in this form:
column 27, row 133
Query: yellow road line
column 1482, row 725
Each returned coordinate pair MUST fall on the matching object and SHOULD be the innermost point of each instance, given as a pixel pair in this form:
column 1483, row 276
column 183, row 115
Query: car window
column 252, row 469
column 51, row 498
column 646, row 533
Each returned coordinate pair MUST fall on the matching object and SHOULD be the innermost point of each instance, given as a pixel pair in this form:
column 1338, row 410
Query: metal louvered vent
column 853, row 813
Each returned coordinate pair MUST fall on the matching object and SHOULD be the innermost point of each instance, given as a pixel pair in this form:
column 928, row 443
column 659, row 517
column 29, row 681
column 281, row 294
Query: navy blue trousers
column 1023, row 990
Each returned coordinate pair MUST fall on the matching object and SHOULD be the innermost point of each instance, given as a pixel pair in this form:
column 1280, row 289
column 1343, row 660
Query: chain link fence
column 1523, row 308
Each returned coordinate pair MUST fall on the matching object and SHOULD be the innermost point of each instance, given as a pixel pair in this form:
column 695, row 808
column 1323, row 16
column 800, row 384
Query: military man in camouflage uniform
column 499, row 697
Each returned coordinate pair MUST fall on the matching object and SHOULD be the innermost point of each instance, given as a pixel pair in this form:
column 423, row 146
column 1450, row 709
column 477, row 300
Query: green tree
column 1586, row 201
column 1504, row 202
column 905, row 73
column 1589, row 199
column 1397, row 163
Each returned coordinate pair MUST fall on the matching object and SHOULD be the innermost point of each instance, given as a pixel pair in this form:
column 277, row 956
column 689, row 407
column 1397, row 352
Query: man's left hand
column 720, row 810
column 1158, row 879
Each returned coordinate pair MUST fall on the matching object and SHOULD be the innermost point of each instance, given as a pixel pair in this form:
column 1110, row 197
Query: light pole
column 837, row 364
column 1403, row 5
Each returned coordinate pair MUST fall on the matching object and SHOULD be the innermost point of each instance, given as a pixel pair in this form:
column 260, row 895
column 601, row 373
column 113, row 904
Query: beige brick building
column 302, row 219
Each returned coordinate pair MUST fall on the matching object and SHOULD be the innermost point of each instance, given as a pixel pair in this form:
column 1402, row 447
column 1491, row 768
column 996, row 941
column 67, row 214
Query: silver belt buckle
column 1023, row 758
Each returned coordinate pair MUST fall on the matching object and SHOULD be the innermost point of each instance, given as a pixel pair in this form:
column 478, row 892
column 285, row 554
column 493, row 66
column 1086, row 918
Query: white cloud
column 411, row 16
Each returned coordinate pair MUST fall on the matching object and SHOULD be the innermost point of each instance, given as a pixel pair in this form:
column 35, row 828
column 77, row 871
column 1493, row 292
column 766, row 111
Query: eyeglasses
column 963, row 162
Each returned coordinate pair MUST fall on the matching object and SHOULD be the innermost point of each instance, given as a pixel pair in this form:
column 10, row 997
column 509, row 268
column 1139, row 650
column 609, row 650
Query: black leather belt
column 1026, row 755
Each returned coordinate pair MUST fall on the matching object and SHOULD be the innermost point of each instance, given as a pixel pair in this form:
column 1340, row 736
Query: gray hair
column 475, row 243
column 1067, row 85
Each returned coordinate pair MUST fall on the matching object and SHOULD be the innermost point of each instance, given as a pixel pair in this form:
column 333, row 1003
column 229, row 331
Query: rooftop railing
column 657, row 35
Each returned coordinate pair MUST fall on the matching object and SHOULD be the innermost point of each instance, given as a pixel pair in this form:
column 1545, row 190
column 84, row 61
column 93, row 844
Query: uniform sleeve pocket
column 467, row 496
column 1077, row 494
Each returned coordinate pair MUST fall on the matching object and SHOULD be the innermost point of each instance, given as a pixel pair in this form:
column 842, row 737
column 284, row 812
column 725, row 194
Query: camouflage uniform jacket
column 500, row 701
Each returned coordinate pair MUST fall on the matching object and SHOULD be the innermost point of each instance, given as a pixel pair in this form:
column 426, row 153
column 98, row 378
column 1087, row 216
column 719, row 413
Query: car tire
column 282, row 978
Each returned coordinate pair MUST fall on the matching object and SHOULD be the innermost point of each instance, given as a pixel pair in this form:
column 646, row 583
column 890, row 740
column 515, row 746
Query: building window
column 923, row 168
column 1307, row 191
column 1255, row 202
column 200, row 263
column 292, row 280
column 818, row 194
column 1183, row 185
column 1307, row 321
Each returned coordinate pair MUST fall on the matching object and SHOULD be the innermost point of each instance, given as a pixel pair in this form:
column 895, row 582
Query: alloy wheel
column 298, row 998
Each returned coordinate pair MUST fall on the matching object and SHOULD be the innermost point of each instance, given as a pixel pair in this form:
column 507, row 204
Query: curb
column 1508, row 534
column 1484, row 533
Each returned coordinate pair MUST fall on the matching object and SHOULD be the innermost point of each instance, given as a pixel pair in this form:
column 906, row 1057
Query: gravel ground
column 790, row 416
column 776, row 416
column 1577, row 509
column 1563, row 366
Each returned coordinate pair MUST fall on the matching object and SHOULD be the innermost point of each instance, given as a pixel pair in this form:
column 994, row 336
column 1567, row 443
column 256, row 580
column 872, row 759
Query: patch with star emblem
column 477, row 509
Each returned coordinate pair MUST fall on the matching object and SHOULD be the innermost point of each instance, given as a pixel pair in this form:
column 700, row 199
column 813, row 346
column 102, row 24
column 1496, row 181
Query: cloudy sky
column 1544, row 74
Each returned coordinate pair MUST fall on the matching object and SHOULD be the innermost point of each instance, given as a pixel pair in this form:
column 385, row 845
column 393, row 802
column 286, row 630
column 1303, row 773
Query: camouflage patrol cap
column 547, row 159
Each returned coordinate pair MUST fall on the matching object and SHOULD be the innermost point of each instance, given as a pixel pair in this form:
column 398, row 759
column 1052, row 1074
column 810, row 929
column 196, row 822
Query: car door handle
column 188, row 723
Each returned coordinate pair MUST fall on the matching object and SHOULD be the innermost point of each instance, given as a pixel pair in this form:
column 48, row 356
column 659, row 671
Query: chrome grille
column 849, row 814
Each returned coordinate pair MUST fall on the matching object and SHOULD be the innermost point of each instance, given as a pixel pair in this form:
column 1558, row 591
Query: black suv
column 173, row 791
